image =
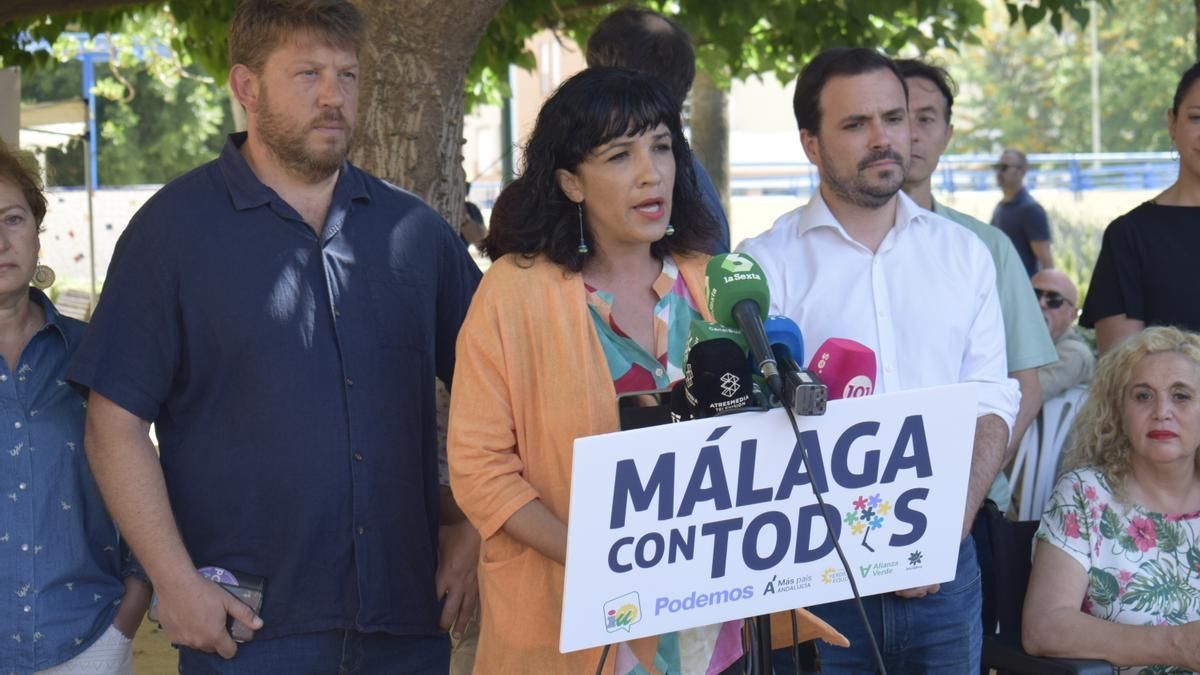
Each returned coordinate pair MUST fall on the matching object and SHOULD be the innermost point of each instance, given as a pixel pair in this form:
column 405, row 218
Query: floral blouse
column 631, row 366
column 1143, row 567
column 704, row 649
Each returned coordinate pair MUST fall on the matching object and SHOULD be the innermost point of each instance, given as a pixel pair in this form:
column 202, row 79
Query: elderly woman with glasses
column 1144, row 274
column 1116, row 571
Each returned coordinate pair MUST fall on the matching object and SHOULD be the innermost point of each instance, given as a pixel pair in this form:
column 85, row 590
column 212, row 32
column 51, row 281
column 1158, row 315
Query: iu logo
column 729, row 385
column 858, row 386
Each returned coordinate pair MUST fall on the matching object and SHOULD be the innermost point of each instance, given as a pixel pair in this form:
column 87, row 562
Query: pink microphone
column 846, row 367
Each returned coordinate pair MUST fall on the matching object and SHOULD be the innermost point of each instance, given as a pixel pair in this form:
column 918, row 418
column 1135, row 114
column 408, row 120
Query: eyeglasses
column 1002, row 167
column 1053, row 299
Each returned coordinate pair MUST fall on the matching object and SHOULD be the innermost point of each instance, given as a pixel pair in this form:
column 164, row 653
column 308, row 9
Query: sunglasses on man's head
column 1054, row 299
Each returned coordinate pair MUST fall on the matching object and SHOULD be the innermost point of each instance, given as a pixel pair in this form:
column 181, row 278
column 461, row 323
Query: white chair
column 1036, row 465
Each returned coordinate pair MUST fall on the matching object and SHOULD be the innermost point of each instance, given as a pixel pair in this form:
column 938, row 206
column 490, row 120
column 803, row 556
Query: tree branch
column 11, row 10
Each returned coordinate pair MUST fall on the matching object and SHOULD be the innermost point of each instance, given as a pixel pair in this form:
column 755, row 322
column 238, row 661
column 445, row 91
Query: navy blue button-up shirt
column 291, row 379
column 60, row 558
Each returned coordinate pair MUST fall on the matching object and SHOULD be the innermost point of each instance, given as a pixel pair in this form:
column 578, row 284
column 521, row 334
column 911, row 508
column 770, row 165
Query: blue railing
column 1077, row 172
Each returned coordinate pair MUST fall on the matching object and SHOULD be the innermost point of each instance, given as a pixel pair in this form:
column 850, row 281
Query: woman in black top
column 1146, row 274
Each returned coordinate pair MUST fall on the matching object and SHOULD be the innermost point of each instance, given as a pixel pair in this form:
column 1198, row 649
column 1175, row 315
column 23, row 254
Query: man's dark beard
column 288, row 144
column 859, row 192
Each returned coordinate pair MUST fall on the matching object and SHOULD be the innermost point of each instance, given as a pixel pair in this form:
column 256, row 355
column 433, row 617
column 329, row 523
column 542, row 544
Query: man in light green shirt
column 930, row 101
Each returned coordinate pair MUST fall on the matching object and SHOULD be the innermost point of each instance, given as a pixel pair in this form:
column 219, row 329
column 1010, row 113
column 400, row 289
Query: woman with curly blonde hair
column 1116, row 572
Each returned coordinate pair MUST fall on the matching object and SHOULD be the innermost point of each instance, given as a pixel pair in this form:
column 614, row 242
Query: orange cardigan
column 530, row 378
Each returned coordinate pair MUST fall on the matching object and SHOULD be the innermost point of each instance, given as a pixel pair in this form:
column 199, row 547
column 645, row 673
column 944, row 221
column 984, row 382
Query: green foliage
column 1030, row 87
column 199, row 35
column 734, row 39
column 157, row 117
column 752, row 37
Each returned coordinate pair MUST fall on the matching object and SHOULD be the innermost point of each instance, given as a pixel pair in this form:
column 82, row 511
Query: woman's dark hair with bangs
column 533, row 217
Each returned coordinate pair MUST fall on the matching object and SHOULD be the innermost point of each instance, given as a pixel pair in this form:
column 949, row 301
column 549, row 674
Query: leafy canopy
column 734, row 39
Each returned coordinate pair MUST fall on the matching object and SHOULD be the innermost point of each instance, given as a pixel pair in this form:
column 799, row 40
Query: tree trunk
column 710, row 132
column 410, row 106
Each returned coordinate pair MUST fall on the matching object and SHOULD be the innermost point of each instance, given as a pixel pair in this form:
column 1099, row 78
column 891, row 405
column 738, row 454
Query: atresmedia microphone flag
column 738, row 296
column 716, row 378
column 846, row 367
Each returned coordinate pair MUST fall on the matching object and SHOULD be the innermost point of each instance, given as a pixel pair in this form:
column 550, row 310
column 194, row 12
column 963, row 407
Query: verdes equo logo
column 622, row 612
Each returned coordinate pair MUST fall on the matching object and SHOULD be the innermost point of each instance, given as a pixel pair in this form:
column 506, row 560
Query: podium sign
column 696, row 523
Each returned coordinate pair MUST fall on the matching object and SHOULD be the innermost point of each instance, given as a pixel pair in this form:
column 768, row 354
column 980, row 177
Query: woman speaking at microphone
column 597, row 275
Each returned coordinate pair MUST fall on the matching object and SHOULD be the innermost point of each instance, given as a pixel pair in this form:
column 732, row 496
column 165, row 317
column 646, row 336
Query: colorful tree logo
column 868, row 514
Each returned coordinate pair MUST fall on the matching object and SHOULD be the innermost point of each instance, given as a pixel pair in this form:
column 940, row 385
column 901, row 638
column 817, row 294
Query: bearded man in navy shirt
column 280, row 316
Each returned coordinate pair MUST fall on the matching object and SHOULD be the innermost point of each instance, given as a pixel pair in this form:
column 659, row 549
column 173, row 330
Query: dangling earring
column 43, row 277
column 582, row 249
column 670, row 229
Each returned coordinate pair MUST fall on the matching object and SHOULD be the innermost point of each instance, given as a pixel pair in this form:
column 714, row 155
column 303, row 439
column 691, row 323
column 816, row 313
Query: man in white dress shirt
column 862, row 261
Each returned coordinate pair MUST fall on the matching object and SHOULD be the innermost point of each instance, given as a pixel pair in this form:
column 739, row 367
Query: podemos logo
column 698, row 599
column 622, row 612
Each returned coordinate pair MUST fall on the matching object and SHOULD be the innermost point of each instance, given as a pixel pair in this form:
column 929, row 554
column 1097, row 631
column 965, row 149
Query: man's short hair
column 936, row 74
column 1020, row 155
column 836, row 62
column 259, row 27
column 646, row 42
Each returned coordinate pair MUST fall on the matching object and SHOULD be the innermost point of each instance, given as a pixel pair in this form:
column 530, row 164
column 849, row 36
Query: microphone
column 846, row 366
column 782, row 332
column 716, row 378
column 738, row 296
column 701, row 331
column 803, row 391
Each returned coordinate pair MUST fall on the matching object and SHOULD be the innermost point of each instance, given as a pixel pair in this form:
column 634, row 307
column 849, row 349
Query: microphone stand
column 801, row 395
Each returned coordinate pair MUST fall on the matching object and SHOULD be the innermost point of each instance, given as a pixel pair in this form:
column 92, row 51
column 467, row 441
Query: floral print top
column 1143, row 567
column 631, row 366
column 704, row 649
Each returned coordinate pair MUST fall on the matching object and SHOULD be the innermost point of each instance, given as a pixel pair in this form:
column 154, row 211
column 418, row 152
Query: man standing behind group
column 862, row 261
column 1028, row 345
column 647, row 42
column 1019, row 215
column 280, row 315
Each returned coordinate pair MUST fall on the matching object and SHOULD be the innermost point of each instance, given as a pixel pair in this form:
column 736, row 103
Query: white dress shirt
column 926, row 302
